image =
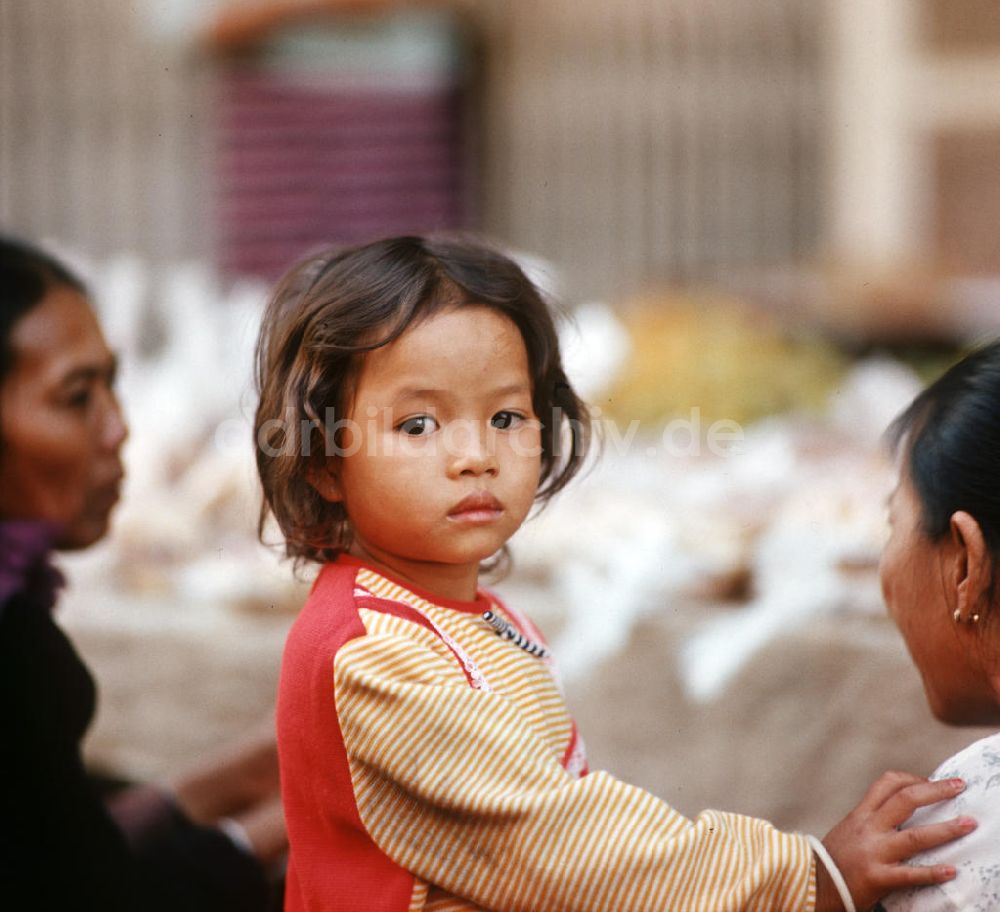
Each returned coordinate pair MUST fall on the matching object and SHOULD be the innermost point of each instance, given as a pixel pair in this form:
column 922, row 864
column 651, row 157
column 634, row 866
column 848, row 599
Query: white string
column 834, row 872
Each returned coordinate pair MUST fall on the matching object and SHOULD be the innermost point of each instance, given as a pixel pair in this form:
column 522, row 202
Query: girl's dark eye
column 420, row 426
column 505, row 420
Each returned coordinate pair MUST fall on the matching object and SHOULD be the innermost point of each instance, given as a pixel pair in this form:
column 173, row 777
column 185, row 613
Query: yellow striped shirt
column 463, row 769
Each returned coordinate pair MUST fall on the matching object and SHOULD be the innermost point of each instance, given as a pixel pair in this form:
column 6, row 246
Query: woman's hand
column 264, row 826
column 236, row 780
column 871, row 852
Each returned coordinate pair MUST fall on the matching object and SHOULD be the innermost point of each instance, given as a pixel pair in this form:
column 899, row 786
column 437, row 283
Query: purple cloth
column 24, row 562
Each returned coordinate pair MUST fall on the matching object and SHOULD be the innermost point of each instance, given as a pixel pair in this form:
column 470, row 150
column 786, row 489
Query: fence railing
column 632, row 141
column 656, row 139
column 105, row 139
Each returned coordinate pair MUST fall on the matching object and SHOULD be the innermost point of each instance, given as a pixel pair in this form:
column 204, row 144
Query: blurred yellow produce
column 721, row 356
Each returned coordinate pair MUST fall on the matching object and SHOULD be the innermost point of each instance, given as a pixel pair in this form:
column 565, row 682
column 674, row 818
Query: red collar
column 480, row 604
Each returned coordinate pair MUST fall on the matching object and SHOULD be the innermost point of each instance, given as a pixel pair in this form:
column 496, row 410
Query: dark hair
column 332, row 308
column 27, row 274
column 952, row 441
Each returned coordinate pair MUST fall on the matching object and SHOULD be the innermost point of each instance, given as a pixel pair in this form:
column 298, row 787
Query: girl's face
column 440, row 460
column 920, row 581
column 61, row 429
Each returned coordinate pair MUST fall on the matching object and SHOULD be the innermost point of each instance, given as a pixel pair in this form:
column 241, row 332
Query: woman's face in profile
column 919, row 584
column 61, row 428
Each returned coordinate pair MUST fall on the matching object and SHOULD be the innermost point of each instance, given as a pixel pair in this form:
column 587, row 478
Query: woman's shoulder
column 978, row 764
column 977, row 886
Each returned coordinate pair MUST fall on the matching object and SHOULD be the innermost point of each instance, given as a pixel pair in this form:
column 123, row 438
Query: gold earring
column 957, row 617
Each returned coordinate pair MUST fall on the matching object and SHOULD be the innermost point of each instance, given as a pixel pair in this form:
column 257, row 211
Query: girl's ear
column 973, row 565
column 322, row 478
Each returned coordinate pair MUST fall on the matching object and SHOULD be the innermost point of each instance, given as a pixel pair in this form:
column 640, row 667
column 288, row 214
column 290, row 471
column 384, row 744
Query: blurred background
column 777, row 214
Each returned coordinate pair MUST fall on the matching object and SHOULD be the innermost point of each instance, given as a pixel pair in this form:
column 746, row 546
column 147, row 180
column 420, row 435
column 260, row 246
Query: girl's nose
column 470, row 451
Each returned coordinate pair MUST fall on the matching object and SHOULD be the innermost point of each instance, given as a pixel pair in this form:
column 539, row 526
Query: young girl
column 413, row 409
column 939, row 577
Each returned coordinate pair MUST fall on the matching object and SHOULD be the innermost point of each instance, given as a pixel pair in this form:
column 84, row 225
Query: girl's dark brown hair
column 332, row 308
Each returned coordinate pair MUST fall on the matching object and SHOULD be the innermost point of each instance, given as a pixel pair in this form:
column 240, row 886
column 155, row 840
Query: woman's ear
column 973, row 564
column 322, row 478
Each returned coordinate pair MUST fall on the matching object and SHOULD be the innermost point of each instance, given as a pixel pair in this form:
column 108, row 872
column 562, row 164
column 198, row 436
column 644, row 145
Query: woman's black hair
column 27, row 274
column 951, row 435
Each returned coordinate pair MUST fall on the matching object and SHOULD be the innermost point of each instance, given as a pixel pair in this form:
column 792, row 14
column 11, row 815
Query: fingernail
column 967, row 823
column 945, row 872
column 958, row 785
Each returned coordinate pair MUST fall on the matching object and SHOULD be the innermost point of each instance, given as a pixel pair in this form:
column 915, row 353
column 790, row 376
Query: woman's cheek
column 888, row 562
column 67, row 486
column 52, row 496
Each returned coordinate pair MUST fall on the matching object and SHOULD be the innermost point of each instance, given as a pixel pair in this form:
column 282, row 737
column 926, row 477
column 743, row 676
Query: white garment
column 976, row 857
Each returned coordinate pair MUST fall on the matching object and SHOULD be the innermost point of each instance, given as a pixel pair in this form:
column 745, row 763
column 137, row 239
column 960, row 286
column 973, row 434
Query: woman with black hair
column 61, row 847
column 939, row 579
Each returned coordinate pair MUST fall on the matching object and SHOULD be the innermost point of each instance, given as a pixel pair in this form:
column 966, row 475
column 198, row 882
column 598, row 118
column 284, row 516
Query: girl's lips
column 476, row 508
